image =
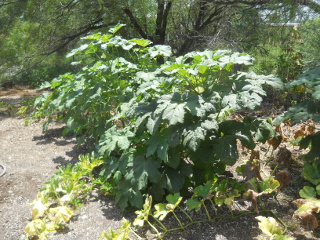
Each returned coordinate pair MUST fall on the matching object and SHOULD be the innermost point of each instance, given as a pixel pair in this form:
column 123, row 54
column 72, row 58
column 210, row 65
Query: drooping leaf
column 143, row 215
column 269, row 226
column 161, row 211
column 60, row 215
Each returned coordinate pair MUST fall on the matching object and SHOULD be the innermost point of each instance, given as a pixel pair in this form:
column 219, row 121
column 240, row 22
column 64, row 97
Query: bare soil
column 32, row 157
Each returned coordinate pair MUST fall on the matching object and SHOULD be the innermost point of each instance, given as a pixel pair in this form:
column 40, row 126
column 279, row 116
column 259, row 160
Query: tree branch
column 135, row 23
column 8, row 3
column 82, row 31
column 310, row 4
column 165, row 20
column 159, row 20
column 226, row 2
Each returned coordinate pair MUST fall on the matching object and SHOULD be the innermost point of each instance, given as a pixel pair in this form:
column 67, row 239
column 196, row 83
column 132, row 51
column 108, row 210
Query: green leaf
column 77, row 50
column 318, row 189
column 153, row 123
column 314, row 142
column 238, row 130
column 158, row 143
column 268, row 185
column 174, row 200
column 144, row 169
column 161, row 211
column 114, row 138
column 162, row 50
column 282, row 237
column 174, row 158
column 116, row 28
column 312, row 172
column 174, row 179
column 174, row 113
column 193, row 203
column 202, row 190
column 225, row 149
column 308, row 192
column 192, row 136
column 254, row 183
column 141, row 42
column 128, row 193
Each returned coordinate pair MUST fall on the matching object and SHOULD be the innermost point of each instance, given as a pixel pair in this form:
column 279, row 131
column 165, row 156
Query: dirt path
column 31, row 158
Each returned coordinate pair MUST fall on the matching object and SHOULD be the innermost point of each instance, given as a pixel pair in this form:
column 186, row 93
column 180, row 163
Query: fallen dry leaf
column 284, row 156
column 283, row 177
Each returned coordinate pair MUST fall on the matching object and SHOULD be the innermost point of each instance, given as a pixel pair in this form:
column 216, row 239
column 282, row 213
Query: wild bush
column 160, row 128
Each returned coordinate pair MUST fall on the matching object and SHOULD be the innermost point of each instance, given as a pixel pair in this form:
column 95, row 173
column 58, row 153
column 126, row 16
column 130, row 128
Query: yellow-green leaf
column 269, row 226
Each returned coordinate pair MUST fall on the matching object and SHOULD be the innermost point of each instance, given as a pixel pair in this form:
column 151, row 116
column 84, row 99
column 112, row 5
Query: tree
column 37, row 33
column 310, row 35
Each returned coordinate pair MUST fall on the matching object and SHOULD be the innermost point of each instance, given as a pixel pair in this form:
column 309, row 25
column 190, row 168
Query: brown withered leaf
column 252, row 170
column 255, row 154
column 279, row 132
column 283, row 177
column 300, row 133
column 287, row 123
column 275, row 142
column 308, row 220
column 252, row 195
column 284, row 156
column 299, row 202
column 311, row 127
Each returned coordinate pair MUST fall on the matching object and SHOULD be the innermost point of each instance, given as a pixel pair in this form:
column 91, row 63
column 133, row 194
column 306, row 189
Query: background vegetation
column 36, row 34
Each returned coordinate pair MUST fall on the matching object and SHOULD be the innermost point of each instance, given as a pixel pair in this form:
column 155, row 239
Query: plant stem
column 160, row 223
column 154, row 228
column 135, row 234
column 213, row 206
column 207, row 213
column 185, row 213
column 280, row 220
column 178, row 220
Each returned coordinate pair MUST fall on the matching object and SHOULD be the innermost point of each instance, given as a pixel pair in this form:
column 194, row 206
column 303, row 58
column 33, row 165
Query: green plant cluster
column 216, row 192
column 159, row 122
column 307, row 109
column 63, row 193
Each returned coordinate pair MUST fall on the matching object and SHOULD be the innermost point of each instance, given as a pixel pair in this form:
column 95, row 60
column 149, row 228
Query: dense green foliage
column 36, row 34
column 159, row 128
column 310, row 35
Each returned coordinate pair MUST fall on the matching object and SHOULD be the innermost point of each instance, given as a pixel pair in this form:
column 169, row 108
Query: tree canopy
column 36, row 34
